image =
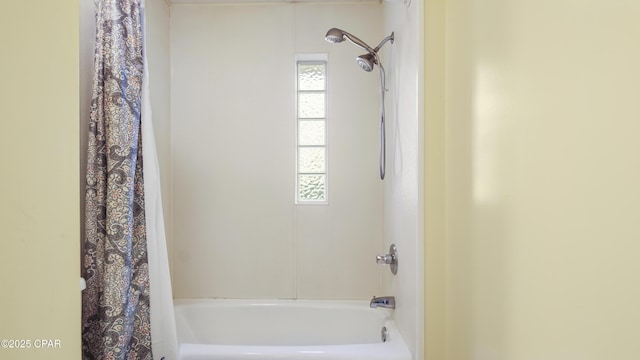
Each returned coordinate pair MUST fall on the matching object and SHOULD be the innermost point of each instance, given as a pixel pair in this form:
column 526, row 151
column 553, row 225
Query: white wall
column 403, row 219
column 542, row 172
column 237, row 232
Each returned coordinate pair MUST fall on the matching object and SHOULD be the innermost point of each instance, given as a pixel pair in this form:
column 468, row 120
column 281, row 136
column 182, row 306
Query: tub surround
column 237, row 232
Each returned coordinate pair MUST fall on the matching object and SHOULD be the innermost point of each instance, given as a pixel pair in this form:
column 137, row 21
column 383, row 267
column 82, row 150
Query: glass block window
column 311, row 128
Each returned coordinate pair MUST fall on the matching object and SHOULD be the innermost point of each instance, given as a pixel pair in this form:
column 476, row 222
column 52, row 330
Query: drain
column 384, row 333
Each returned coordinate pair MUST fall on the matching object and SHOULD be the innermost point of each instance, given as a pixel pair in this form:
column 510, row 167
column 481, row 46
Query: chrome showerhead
column 334, row 36
column 366, row 61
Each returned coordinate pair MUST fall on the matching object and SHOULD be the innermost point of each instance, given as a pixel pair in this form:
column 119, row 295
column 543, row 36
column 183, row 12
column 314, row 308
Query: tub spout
column 383, row 301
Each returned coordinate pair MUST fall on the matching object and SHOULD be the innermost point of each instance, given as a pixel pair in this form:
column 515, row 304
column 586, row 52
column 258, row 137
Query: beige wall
column 434, row 179
column 39, row 216
column 236, row 230
column 542, row 173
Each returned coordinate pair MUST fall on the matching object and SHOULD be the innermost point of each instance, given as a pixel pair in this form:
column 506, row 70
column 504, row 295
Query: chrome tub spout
column 383, row 301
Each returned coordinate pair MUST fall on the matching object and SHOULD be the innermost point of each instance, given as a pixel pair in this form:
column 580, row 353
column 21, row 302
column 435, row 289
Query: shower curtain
column 127, row 309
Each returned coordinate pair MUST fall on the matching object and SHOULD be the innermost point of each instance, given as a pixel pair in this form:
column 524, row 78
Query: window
column 311, row 140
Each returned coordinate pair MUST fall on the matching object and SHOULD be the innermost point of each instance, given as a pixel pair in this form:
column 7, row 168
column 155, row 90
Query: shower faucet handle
column 390, row 259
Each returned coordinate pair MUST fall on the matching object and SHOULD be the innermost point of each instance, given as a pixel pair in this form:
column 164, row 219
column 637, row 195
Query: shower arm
column 384, row 41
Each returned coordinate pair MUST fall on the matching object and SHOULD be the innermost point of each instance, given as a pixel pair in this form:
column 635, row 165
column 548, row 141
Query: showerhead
column 334, row 36
column 366, row 61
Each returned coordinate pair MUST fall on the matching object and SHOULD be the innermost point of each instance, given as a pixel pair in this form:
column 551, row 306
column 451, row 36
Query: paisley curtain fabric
column 115, row 304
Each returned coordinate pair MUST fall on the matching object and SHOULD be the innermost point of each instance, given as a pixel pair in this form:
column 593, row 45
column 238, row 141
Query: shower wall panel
column 236, row 230
column 403, row 184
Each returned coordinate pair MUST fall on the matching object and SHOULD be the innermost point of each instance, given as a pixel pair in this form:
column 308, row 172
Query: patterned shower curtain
column 115, row 304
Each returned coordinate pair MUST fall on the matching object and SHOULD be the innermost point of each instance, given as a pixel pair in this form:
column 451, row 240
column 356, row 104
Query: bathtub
column 212, row 329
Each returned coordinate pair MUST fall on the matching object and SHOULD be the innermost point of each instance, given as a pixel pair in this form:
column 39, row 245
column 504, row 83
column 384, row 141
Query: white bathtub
column 285, row 329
